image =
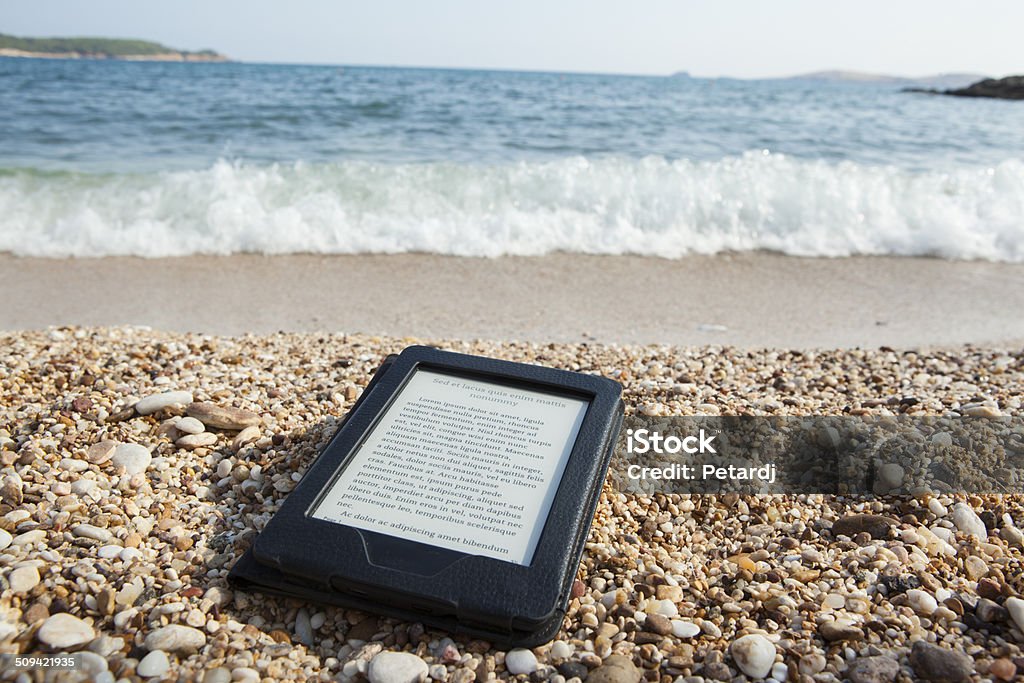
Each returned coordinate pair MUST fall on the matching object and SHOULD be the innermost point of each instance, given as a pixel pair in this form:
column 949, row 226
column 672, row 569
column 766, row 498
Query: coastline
column 745, row 299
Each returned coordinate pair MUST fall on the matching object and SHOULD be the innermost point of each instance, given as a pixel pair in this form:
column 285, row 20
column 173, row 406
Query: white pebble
column 967, row 521
column 23, row 579
column 754, row 655
column 153, row 664
column 684, row 629
column 397, row 667
column 561, row 650
column 520, row 661
column 190, row 425
column 167, row 399
column 921, row 602
column 132, row 458
column 1015, row 606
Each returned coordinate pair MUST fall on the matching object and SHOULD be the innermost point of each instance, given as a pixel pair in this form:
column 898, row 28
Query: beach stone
column 247, row 435
column 1003, row 669
column 217, row 675
column 835, row 631
column 5, row 538
column 657, row 623
column 967, row 520
column 23, row 579
column 1015, row 607
column 175, row 638
column 93, row 532
column 615, row 669
column 397, row 667
column 521, row 661
column 754, row 655
column 303, row 627
column 192, row 441
column 29, row 537
column 876, row 526
column 684, row 629
column 222, row 417
column 65, row 631
column 937, row 664
column 167, row 399
column 1012, row 535
column 573, row 669
column 132, row 458
column 190, row 425
column 561, row 650
column 99, row 453
column 921, row 602
column 153, row 664
column 877, row 669
column 890, row 476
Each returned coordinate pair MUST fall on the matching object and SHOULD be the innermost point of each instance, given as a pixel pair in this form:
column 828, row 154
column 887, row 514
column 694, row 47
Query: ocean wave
column 650, row 206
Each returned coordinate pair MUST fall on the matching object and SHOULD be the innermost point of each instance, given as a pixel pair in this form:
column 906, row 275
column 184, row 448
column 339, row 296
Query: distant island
column 1009, row 88
column 950, row 80
column 101, row 48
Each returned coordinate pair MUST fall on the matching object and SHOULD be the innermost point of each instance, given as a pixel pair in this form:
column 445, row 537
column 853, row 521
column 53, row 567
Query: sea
column 103, row 158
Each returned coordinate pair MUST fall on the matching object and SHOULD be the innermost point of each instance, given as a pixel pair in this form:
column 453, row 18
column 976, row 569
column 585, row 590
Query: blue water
column 157, row 159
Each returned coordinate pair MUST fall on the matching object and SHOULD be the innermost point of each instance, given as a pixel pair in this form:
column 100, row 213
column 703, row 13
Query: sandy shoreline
column 750, row 300
column 131, row 567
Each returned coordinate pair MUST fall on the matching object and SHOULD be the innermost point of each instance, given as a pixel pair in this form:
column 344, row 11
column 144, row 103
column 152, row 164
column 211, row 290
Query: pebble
column 101, row 452
column 5, row 539
column 876, row 526
column 921, row 602
column 1003, row 669
column 303, row 627
column 520, row 661
column 175, row 638
column 657, row 623
column 190, row 425
column 1015, row 607
column 684, row 629
column 754, row 655
column 93, row 532
column 247, row 435
column 153, row 664
column 890, row 475
column 561, row 650
column 132, row 458
column 835, row 631
column 615, row 669
column 397, row 667
column 217, row 675
column 167, row 399
column 23, row 579
column 29, row 537
column 967, row 520
column 934, row 663
column 200, row 440
column 222, row 417
column 65, row 631
column 877, row 669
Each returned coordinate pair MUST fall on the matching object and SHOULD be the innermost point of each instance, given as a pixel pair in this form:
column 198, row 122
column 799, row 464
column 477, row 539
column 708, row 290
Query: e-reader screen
column 459, row 463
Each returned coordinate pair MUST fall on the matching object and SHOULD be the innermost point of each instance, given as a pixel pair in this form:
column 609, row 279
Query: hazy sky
column 745, row 38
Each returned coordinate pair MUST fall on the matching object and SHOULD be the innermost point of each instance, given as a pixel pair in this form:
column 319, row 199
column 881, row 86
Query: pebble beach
column 136, row 466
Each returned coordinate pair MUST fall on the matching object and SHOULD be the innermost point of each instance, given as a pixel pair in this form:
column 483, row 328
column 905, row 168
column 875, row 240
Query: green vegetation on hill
column 94, row 47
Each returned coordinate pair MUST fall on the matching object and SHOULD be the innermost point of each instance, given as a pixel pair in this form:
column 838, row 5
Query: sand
column 751, row 300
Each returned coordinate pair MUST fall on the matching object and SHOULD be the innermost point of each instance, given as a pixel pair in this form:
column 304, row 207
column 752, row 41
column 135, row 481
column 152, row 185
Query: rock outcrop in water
column 1009, row 88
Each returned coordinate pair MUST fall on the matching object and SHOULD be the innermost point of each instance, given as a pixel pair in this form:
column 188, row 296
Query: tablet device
column 459, row 492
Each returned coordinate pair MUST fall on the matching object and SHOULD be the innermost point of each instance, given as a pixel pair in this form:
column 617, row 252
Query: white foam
column 645, row 206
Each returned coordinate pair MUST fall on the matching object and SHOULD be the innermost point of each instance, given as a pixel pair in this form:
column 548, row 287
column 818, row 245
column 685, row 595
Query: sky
column 741, row 38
